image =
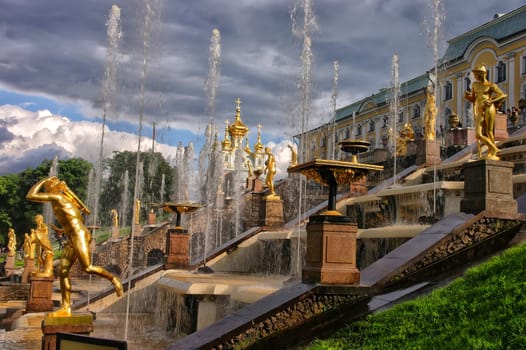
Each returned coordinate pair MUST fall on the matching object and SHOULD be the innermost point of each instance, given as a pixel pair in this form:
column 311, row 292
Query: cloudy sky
column 55, row 53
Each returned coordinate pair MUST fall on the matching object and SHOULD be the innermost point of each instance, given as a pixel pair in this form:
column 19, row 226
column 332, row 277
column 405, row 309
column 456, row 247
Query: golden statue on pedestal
column 486, row 97
column 114, row 218
column 68, row 209
column 11, row 242
column 293, row 155
column 40, row 239
column 270, row 170
column 430, row 113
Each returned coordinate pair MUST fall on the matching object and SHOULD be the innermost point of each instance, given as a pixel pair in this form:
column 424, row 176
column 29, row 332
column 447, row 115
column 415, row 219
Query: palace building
column 499, row 45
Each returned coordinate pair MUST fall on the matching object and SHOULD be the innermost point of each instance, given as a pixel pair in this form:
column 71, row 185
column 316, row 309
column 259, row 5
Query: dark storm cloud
column 57, row 48
column 31, row 158
column 5, row 135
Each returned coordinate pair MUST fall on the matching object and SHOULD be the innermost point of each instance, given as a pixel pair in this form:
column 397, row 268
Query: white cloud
column 283, row 156
column 35, row 136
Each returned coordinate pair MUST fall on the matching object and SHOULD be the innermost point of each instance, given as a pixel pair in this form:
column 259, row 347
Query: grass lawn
column 485, row 309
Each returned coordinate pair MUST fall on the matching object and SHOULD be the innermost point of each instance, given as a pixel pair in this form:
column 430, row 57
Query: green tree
column 8, row 200
column 75, row 172
column 20, row 211
column 153, row 167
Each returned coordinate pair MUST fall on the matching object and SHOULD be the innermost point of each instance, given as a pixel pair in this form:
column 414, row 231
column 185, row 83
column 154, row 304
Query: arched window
column 358, row 129
column 416, row 111
column 468, row 112
column 448, row 91
column 371, row 125
column 401, row 117
column 386, row 120
column 467, row 83
column 501, row 71
column 347, row 133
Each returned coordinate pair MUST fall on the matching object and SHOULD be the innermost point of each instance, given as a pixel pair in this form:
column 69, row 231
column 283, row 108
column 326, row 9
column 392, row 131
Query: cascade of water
column 334, row 97
column 394, row 105
column 309, row 25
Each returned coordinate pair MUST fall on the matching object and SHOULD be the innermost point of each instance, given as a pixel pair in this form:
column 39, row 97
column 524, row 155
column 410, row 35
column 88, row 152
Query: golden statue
column 406, row 134
column 11, row 242
column 40, row 238
column 29, row 248
column 270, row 170
column 114, row 218
column 293, row 156
column 137, row 210
column 430, row 113
column 250, row 168
column 68, row 209
column 486, row 97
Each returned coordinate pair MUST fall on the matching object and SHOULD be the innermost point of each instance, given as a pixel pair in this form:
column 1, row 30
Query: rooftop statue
column 68, row 209
column 486, row 97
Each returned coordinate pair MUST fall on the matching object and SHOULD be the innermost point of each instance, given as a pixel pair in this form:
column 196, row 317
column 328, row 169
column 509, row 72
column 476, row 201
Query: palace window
column 386, row 120
column 467, row 83
column 347, row 133
column 401, row 117
column 416, row 111
column 523, row 65
column 448, row 91
column 501, row 72
column 358, row 129
column 371, row 125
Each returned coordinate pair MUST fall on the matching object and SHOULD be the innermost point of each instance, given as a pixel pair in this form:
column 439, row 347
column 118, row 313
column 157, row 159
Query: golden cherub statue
column 68, row 209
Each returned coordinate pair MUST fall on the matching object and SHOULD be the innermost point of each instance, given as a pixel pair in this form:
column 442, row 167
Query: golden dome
column 258, row 146
column 237, row 128
column 227, row 145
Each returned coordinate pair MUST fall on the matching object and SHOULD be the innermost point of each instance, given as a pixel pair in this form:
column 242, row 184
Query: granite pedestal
column 40, row 293
column 488, row 185
column 78, row 324
column 273, row 211
column 177, row 249
column 331, row 251
column 428, row 152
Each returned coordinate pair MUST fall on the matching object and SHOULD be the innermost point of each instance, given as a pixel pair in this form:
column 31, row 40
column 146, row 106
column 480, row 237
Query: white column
column 512, row 102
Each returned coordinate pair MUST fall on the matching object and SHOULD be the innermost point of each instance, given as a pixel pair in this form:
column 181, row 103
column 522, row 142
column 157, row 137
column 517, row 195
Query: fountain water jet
column 334, row 96
column 309, row 25
column 114, row 33
column 151, row 12
column 395, row 109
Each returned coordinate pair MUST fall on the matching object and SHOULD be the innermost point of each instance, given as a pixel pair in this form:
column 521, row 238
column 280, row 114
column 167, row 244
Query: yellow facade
column 499, row 44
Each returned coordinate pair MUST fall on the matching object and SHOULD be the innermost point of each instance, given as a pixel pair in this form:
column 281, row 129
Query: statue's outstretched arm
column 34, row 192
